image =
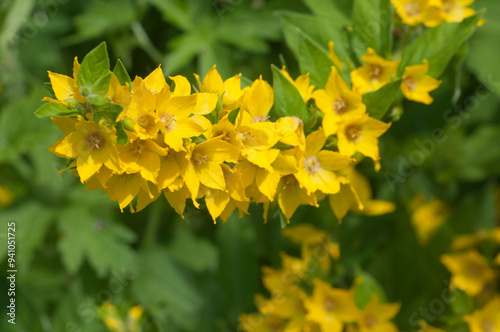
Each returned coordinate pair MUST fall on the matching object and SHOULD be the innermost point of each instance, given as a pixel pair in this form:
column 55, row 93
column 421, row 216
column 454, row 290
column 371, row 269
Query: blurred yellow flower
column 375, row 317
column 330, row 307
column 486, row 319
column 427, row 217
column 469, row 271
column 6, row 197
column 424, row 327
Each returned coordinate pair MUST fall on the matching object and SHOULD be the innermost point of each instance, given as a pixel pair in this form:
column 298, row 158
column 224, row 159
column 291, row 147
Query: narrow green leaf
column 122, row 74
column 330, row 9
column 121, row 135
column 53, row 109
column 322, row 30
column 378, row 102
column 372, row 26
column 438, row 45
column 314, row 60
column 94, row 75
column 287, row 99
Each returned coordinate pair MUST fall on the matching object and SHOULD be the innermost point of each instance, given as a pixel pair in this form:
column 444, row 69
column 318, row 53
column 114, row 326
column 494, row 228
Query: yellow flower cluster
column 115, row 322
column 474, row 274
column 218, row 143
column 432, row 12
column 301, row 301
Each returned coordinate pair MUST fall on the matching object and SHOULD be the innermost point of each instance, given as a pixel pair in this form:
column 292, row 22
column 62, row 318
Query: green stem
column 153, row 224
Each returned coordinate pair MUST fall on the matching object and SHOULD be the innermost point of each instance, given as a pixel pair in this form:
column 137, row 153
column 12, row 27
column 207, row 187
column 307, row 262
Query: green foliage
column 287, row 99
column 378, row 102
column 94, row 75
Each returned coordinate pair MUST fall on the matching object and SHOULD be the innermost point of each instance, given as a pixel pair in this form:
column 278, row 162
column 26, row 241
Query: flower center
column 168, row 121
column 289, row 183
column 199, row 158
column 450, row 6
column 375, row 71
column 474, row 270
column 95, row 140
column 262, row 118
column 488, row 326
column 370, row 321
column 329, row 304
column 353, row 133
column 246, row 136
column 412, row 9
column 340, row 105
column 410, row 83
column 311, row 164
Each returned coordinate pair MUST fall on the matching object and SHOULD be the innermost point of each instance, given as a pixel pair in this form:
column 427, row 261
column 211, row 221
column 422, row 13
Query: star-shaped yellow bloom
column 361, row 135
column 376, row 73
column 469, row 271
column 338, row 102
column 316, row 166
column 417, row 85
column 330, row 307
column 375, row 317
column 487, row 319
column 414, row 12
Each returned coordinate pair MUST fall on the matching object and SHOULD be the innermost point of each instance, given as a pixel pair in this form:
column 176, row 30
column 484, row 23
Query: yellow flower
column 417, row 85
column 338, row 102
column 301, row 83
column 6, row 197
column 361, row 135
column 486, row 319
column 257, row 100
column 317, row 245
column 229, row 89
column 470, row 271
column 66, row 88
column 146, row 123
column 93, row 145
column 376, row 73
column 316, row 167
column 330, row 307
column 142, row 156
column 217, row 200
column 357, row 196
column 456, row 10
column 204, row 166
column 124, row 187
column 414, row 12
column 175, row 121
column 427, row 217
column 291, row 196
column 375, row 317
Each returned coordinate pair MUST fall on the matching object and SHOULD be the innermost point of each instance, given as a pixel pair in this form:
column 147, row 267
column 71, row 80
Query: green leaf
column 314, row 60
column 287, row 99
column 94, row 75
column 103, row 242
column 330, row 9
column 378, row 102
column 438, row 45
column 122, row 74
column 366, row 289
column 54, row 109
column 161, row 285
column 121, row 135
column 195, row 253
column 108, row 112
column 319, row 29
column 372, row 26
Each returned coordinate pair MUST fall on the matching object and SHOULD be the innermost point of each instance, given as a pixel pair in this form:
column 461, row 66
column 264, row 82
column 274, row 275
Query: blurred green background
column 76, row 250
